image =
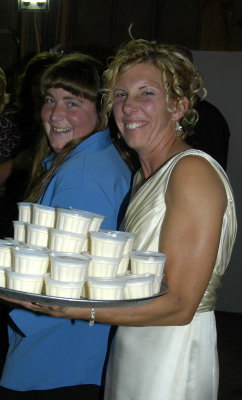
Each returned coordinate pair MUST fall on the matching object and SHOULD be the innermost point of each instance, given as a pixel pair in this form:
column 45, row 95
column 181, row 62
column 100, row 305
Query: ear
column 180, row 108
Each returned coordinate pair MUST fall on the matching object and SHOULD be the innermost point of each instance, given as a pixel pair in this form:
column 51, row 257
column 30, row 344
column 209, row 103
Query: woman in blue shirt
column 76, row 166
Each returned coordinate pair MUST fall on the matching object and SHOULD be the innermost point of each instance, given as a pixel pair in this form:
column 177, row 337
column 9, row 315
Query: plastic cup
column 19, row 231
column 68, row 242
column 105, row 288
column 5, row 255
column 12, row 242
column 97, row 219
column 130, row 239
column 69, row 267
column 106, row 244
column 139, row 286
column 24, row 211
column 43, row 215
column 30, row 261
column 147, row 262
column 103, row 267
column 72, row 220
column 123, row 265
column 37, row 235
column 72, row 290
column 157, row 283
column 2, row 277
column 24, row 282
column 96, row 222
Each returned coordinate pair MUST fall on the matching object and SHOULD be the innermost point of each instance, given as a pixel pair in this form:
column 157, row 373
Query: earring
column 179, row 129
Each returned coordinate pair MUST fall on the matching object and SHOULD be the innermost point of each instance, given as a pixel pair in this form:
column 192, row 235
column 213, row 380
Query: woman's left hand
column 36, row 307
column 54, row 311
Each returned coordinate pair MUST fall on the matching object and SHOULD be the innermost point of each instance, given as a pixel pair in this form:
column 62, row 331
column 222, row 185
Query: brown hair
column 80, row 75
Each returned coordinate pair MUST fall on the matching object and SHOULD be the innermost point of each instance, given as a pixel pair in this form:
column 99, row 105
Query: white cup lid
column 74, row 213
column 54, row 282
column 88, row 213
column 116, row 281
column 43, row 207
column 149, row 256
column 108, row 236
column 67, row 233
column 119, row 233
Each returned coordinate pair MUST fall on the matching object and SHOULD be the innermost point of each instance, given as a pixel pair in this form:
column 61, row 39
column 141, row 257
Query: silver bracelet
column 92, row 317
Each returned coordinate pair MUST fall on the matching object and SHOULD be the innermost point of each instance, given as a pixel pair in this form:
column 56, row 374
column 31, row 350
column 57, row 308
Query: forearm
column 165, row 310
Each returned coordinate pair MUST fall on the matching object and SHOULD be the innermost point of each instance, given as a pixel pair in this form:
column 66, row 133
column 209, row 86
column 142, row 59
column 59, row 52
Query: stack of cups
column 28, row 269
column 5, row 260
column 64, row 253
column 69, row 238
column 70, row 233
column 67, row 275
column 148, row 262
column 33, row 224
column 61, row 235
column 109, row 252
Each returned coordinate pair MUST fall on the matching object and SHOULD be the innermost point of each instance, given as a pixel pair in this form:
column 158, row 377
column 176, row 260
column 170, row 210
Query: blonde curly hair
column 179, row 76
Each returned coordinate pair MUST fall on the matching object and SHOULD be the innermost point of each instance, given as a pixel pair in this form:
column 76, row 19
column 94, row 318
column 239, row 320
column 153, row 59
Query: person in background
column 9, row 137
column 76, row 166
column 3, row 93
column 20, row 128
column 181, row 205
column 211, row 133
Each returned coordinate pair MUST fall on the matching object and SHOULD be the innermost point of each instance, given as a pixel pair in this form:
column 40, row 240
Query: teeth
column 133, row 125
column 61, row 130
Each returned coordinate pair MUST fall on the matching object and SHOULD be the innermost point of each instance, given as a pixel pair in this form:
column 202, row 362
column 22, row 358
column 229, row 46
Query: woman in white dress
column 181, row 205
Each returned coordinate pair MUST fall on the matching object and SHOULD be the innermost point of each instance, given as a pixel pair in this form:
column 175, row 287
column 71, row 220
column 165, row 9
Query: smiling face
column 140, row 109
column 66, row 117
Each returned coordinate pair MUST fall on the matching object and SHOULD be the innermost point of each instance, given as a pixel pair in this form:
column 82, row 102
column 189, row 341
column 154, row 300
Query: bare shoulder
column 194, row 175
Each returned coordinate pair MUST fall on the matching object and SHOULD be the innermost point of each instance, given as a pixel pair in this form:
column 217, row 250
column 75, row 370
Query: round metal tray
column 84, row 303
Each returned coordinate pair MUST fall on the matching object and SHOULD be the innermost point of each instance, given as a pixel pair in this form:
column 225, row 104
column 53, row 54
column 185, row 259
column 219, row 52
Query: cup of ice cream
column 105, row 288
column 24, row 282
column 30, row 260
column 2, row 277
column 63, row 241
column 105, row 244
column 103, row 267
column 19, row 228
column 43, row 215
column 5, row 254
column 139, row 286
column 72, row 220
column 69, row 267
column 37, row 235
column 71, row 290
column 129, row 236
column 147, row 262
column 24, row 211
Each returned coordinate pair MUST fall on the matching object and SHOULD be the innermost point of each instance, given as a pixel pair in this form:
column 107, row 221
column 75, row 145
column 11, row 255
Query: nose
column 129, row 105
column 57, row 113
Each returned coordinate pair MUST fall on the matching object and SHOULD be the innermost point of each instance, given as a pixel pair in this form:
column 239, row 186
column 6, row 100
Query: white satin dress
column 169, row 362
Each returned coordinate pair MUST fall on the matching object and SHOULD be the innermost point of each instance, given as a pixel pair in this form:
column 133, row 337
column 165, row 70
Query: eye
column 120, row 94
column 48, row 100
column 71, row 104
column 148, row 93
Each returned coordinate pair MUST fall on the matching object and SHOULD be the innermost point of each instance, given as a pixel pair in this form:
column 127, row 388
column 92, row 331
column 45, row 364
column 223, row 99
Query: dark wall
column 99, row 27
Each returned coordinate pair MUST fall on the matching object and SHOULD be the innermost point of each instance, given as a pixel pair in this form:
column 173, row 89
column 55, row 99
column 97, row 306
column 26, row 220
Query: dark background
column 99, row 27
